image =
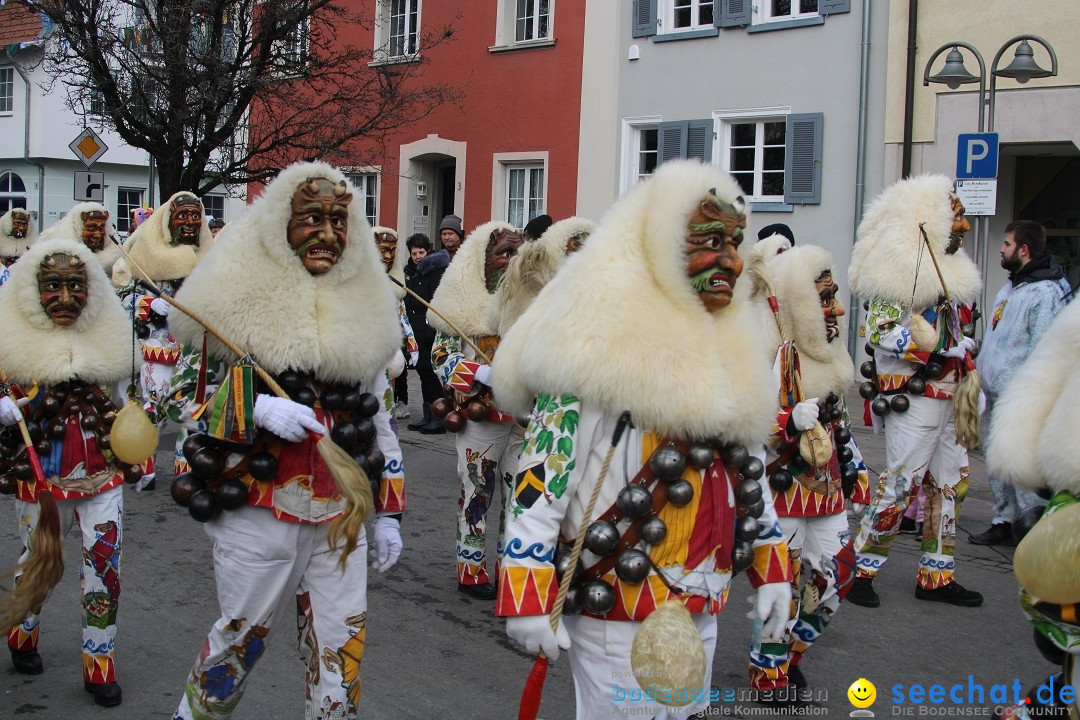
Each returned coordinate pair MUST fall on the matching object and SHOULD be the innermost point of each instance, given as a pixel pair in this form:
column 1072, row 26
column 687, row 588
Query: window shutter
column 734, row 13
column 802, row 159
column 644, row 18
column 671, row 141
column 699, row 135
column 831, row 7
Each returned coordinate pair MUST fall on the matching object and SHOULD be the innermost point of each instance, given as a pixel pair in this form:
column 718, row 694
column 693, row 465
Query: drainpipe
column 26, row 144
column 860, row 165
column 909, row 87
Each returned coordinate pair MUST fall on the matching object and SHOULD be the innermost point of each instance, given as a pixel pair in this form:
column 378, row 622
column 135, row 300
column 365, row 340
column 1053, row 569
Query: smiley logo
column 862, row 693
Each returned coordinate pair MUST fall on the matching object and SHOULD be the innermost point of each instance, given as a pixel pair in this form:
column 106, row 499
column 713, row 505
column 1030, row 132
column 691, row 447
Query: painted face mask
column 20, row 225
column 830, row 306
column 185, row 220
column 319, row 223
column 959, row 227
column 712, row 250
column 95, row 225
column 62, row 287
column 502, row 245
column 574, row 243
column 387, row 245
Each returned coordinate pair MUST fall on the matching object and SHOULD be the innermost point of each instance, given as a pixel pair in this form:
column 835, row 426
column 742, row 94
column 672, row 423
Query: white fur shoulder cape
column 462, row 294
column 621, row 327
column 1033, row 429
column 151, row 248
column 70, row 227
column 342, row 325
column 397, row 270
column 9, row 246
column 96, row 348
column 890, row 257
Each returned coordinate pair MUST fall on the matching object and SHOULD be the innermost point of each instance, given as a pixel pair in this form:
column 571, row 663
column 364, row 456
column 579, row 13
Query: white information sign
column 979, row 196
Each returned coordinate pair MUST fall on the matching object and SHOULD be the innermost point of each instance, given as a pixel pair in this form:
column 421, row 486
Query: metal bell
column 746, row 529
column 867, row 369
column 634, row 501
column 880, row 407
column 753, row 469
column 572, row 604
column 601, row 537
column 867, row 390
column 916, row 385
column 899, row 403
column 832, row 398
column 968, row 329
column 680, row 493
column 869, row 349
column 754, row 509
column 632, row 566
column 736, row 456
column 653, row 530
column 700, row 456
column 934, row 369
column 667, row 463
column 742, row 557
column 781, row 480
column 844, row 454
column 843, row 436
column 598, row 597
column 748, row 491
column 562, row 563
column 848, row 477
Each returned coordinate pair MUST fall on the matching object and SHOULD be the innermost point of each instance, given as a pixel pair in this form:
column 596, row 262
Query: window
column 787, row 9
column 524, row 194
column 691, row 18
column 127, row 199
column 640, row 150
column 397, row 29
column 292, row 51
column 682, row 15
column 532, row 20
column 773, row 154
column 96, row 105
column 755, row 157
column 12, row 192
column 214, row 205
column 367, row 186
column 7, row 89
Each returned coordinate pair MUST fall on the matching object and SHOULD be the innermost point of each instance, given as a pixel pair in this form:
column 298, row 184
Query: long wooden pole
column 479, row 353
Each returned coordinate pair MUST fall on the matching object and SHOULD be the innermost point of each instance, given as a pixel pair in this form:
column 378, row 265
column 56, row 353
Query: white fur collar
column 9, row 246
column 890, row 258
column 620, row 327
column 1033, row 430
column 531, row 269
column 772, row 246
column 96, row 348
column 342, row 325
column 149, row 246
column 397, row 270
column 70, row 227
column 462, row 294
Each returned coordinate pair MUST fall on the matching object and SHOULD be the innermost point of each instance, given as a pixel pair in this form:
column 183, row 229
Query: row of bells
column 455, row 419
column 632, row 566
column 916, row 385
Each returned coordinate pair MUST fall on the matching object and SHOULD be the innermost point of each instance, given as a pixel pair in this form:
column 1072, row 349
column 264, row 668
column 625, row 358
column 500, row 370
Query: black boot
column 862, row 593
column 435, row 426
column 27, row 662
column 105, row 694
column 423, row 421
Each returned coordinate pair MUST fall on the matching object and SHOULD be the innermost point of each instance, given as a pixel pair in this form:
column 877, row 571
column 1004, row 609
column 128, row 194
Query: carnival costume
column 17, row 234
column 392, row 252
column 90, row 223
column 641, row 321
column 285, row 283
column 488, row 440
column 814, row 370
column 1032, row 444
column 909, row 247
column 73, row 363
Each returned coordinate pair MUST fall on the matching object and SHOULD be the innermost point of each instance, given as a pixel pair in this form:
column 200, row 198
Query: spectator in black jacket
column 422, row 275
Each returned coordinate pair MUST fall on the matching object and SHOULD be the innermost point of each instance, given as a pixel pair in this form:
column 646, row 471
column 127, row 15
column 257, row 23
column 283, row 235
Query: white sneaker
column 401, row 410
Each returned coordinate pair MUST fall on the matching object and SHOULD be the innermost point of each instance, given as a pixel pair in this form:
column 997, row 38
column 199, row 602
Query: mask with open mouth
column 95, row 225
column 387, row 244
column 830, row 306
column 319, row 223
column 20, row 225
column 712, row 250
column 960, row 226
column 502, row 245
column 62, row 287
column 185, row 220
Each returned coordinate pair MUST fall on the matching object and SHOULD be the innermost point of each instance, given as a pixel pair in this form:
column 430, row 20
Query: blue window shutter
column 733, row 13
column 671, row 141
column 832, row 7
column 699, row 136
column 644, row 18
column 802, row 159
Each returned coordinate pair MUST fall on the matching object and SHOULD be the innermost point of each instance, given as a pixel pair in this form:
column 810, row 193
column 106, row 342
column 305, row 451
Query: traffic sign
column 979, row 196
column 88, row 147
column 977, row 155
column 89, row 186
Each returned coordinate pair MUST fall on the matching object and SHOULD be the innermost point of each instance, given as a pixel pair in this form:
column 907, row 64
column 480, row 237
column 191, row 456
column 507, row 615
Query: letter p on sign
column 977, row 155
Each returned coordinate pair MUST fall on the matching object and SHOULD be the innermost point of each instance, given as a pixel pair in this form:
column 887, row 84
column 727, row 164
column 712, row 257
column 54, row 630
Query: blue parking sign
column 976, row 155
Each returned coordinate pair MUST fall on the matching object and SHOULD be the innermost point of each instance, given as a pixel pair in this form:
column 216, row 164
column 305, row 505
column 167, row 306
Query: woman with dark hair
column 422, row 275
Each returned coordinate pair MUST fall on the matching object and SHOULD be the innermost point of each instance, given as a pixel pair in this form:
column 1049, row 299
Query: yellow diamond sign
column 88, row 147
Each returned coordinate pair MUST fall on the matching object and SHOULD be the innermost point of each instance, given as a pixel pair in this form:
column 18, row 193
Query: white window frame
column 366, row 182
column 535, row 18
column 7, row 83
column 126, row 213
column 502, row 164
column 224, row 205
column 293, row 50
column 383, row 31
column 724, row 119
column 631, row 147
column 506, row 28
column 11, row 198
column 763, row 13
column 666, row 20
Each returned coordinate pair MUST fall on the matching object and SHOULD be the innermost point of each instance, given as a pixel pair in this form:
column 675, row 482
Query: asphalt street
column 433, row 653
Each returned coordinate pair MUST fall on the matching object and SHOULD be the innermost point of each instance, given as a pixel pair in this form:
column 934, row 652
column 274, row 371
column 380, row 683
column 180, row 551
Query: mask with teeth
column 712, row 250
column 62, row 287
column 94, row 227
column 387, row 244
column 20, row 225
column 319, row 223
column 830, row 306
column 185, row 220
column 502, row 245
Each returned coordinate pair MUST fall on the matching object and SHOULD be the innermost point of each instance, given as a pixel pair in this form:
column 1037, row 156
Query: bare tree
column 230, row 91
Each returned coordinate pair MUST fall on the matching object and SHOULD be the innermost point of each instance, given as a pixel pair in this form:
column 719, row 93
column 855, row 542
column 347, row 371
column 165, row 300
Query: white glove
column 387, row 548
column 535, row 633
column 10, row 412
column 805, row 414
column 159, row 306
column 483, row 375
column 414, row 358
column 962, row 348
column 772, row 605
column 287, row 419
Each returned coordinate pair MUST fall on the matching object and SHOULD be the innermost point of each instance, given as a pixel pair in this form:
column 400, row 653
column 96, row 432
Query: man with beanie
column 451, row 234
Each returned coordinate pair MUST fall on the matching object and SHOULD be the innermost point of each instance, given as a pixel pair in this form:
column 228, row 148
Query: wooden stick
column 479, row 353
